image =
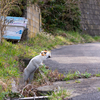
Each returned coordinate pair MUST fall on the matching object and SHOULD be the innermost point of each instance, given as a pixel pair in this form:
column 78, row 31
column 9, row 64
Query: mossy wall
column 90, row 16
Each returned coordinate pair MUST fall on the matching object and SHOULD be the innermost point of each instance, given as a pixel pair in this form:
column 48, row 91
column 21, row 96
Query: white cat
column 34, row 65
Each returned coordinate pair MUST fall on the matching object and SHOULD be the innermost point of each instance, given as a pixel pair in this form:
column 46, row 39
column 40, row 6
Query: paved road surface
column 89, row 96
column 81, row 57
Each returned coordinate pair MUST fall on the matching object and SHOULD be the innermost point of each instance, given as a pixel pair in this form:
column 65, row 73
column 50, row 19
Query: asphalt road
column 89, row 96
column 81, row 57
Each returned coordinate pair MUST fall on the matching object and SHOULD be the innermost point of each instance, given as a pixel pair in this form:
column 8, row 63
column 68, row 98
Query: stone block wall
column 90, row 16
column 34, row 20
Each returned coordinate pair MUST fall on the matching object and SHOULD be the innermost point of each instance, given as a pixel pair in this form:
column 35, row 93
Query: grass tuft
column 77, row 81
column 76, row 74
column 98, row 88
column 61, row 94
column 97, row 75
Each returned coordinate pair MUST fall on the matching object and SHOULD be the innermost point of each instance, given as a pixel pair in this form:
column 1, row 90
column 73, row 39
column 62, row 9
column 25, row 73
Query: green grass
column 97, row 75
column 44, row 70
column 76, row 75
column 67, row 82
column 61, row 94
column 76, row 37
column 11, row 53
column 88, row 39
column 44, row 41
column 9, row 58
column 98, row 88
column 86, row 75
column 71, row 76
column 77, row 81
column 97, row 38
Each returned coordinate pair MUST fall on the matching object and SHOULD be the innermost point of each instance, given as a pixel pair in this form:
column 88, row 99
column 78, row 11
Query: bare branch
column 5, row 7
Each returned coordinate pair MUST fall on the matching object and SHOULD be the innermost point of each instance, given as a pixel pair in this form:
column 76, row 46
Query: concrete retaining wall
column 90, row 16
